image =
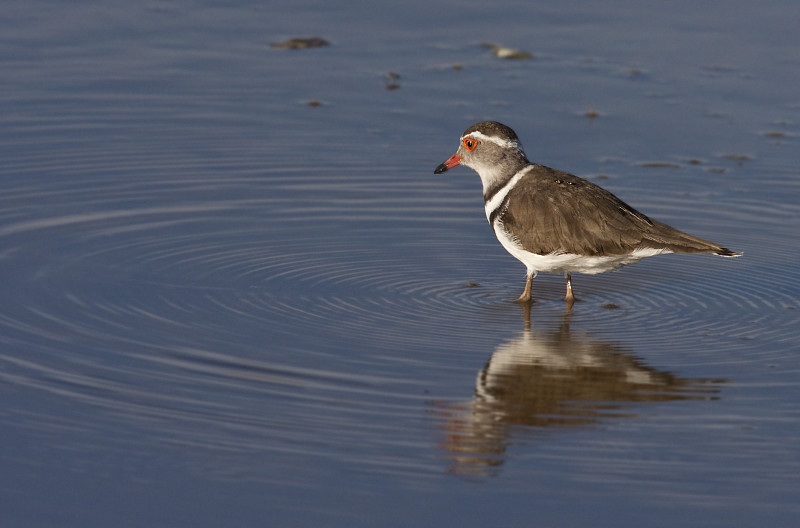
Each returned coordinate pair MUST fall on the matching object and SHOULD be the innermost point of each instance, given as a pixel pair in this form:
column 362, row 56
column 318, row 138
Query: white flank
column 568, row 262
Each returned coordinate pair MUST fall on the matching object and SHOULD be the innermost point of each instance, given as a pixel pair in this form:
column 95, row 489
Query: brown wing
column 554, row 211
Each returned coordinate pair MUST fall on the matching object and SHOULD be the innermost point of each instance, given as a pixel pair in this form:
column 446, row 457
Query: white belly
column 569, row 262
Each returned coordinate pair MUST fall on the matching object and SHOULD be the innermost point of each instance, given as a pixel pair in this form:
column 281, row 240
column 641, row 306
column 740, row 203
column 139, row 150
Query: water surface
column 223, row 305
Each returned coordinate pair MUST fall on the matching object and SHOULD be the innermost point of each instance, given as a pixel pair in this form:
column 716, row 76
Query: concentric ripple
column 192, row 300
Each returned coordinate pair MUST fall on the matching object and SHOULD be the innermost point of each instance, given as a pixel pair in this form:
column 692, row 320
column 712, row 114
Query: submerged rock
column 301, row 43
column 392, row 79
column 507, row 53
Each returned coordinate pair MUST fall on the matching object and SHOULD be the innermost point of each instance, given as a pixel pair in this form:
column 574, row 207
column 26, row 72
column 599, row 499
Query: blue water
column 224, row 306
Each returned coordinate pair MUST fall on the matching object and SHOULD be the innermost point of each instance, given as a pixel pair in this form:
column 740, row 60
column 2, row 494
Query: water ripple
column 192, row 300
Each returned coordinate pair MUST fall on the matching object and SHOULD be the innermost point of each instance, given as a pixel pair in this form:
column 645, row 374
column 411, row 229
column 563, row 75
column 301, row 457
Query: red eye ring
column 470, row 144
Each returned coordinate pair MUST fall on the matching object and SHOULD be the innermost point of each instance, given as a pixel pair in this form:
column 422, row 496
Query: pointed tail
column 725, row 252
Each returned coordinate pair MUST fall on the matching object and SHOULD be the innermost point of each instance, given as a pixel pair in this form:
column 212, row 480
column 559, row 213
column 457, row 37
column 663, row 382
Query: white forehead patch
column 504, row 143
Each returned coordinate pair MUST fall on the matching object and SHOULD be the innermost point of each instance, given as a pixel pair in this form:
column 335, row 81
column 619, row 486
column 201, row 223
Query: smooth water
column 222, row 305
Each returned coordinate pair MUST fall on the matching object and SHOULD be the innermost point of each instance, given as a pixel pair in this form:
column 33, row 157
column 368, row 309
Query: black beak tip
column 440, row 169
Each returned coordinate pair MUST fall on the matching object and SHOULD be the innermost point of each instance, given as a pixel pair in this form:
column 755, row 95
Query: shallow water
column 223, row 305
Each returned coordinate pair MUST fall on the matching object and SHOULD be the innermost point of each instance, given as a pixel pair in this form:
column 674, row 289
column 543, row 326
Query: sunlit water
column 224, row 306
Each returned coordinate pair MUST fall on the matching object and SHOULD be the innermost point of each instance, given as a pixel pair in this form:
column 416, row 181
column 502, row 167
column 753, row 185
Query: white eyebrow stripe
column 504, row 143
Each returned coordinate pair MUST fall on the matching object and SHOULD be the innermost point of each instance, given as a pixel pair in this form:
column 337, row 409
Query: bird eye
column 470, row 144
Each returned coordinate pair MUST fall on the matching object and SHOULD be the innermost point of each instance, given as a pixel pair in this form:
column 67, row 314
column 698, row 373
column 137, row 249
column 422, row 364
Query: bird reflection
column 553, row 378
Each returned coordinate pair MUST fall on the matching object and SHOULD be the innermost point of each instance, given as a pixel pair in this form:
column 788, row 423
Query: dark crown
column 492, row 128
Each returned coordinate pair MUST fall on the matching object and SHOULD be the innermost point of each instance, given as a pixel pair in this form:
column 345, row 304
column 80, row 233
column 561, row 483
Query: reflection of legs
column 526, row 295
column 570, row 298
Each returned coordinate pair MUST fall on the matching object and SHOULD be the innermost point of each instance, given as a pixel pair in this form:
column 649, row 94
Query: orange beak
column 451, row 162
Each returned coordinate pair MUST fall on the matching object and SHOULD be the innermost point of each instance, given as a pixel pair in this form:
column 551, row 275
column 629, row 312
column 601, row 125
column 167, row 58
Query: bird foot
column 526, row 294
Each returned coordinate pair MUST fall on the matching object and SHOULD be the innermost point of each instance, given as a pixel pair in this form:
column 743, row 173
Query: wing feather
column 557, row 212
